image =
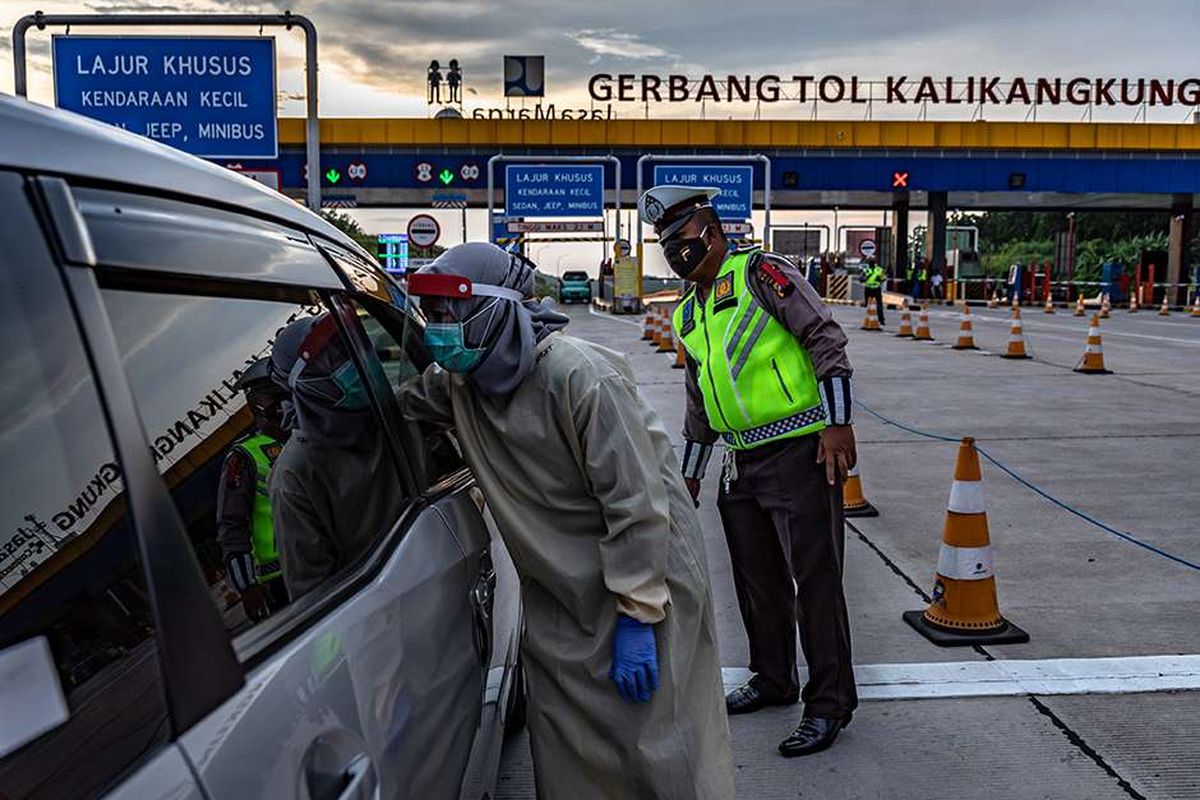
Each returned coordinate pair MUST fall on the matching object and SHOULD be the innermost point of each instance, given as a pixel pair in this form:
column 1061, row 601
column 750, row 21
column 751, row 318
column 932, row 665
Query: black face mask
column 685, row 255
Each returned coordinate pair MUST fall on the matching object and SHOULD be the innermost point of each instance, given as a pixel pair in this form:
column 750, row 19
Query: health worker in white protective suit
column 620, row 651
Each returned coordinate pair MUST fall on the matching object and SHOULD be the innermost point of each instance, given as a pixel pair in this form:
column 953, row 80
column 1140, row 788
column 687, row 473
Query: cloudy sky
column 374, row 54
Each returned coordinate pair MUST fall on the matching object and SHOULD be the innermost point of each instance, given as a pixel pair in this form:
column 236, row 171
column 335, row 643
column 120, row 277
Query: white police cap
column 661, row 206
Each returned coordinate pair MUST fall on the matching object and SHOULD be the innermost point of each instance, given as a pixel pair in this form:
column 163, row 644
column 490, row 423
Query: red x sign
column 899, row 180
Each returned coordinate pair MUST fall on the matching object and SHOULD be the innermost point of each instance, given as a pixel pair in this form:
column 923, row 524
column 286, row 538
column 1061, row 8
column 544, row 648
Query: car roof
column 36, row 138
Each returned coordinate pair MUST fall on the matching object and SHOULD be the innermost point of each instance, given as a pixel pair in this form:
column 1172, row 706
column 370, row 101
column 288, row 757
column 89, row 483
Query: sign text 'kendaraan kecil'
column 208, row 96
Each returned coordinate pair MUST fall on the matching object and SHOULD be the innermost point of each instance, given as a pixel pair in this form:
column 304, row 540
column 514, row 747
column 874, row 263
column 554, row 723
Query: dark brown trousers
column 784, row 527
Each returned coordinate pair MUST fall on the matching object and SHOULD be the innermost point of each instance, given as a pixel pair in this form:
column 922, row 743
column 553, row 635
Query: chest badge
column 723, row 296
column 689, row 317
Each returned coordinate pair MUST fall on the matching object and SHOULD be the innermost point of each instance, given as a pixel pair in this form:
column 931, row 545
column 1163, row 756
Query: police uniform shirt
column 796, row 305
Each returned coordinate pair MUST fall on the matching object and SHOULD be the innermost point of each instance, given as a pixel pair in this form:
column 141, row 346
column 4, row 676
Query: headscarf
column 315, row 392
column 506, row 330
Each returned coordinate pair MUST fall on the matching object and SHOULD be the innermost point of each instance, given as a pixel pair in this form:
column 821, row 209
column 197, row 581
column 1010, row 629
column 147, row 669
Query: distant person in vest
column 245, row 529
column 767, row 372
column 873, row 277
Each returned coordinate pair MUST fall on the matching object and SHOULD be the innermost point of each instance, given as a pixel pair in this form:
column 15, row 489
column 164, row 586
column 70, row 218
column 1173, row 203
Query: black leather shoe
column 750, row 698
column 812, row 735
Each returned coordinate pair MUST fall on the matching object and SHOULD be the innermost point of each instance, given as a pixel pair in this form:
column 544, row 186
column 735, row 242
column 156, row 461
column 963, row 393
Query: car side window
column 271, row 510
column 81, row 699
column 396, row 340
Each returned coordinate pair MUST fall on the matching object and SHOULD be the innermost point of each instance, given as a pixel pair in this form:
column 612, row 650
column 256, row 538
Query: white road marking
column 613, row 318
column 1015, row 677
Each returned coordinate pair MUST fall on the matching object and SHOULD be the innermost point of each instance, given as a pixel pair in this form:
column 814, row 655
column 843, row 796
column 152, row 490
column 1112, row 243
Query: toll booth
column 1111, row 275
column 1152, row 268
column 1039, row 279
column 964, row 278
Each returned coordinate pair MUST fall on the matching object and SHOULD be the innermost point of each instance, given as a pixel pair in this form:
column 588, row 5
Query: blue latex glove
column 635, row 660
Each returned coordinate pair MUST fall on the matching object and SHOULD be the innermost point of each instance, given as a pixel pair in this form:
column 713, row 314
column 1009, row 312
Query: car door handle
column 330, row 775
column 361, row 782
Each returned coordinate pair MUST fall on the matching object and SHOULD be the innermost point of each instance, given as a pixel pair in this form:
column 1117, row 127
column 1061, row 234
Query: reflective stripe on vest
column 873, row 277
column 757, row 380
column 263, row 450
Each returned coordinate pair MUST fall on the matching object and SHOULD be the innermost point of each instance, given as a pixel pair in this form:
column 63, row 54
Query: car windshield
column 575, row 275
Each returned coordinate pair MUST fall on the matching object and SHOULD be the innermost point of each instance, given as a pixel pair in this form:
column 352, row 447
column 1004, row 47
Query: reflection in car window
column 68, row 571
column 270, row 513
column 397, row 343
column 187, row 359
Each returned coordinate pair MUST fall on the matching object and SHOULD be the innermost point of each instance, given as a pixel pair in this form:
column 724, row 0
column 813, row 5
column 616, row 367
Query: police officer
column 873, row 277
column 767, row 372
column 918, row 292
column 245, row 529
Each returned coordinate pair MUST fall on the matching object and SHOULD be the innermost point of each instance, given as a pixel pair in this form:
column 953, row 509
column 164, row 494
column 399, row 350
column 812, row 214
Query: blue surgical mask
column 445, row 343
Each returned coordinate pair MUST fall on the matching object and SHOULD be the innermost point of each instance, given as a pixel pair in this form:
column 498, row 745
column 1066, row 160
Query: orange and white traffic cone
column 966, row 335
column 1165, row 309
column 1133, row 301
column 1105, row 306
column 995, row 301
column 1016, row 338
column 1196, row 307
column 963, row 609
column 1092, row 362
column 906, row 328
column 1079, row 312
column 680, row 354
column 923, row 334
column 655, row 329
column 871, row 322
column 1049, row 307
column 667, row 343
column 854, row 502
column 648, row 325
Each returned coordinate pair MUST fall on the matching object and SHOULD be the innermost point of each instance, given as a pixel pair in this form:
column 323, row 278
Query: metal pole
column 285, row 20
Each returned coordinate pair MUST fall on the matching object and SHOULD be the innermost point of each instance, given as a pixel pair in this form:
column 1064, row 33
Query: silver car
column 136, row 283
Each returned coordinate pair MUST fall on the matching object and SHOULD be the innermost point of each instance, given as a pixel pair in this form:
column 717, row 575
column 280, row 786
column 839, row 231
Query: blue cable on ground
column 1037, row 490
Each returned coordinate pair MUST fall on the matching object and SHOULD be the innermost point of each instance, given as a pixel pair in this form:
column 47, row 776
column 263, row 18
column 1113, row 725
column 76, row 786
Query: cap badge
column 654, row 208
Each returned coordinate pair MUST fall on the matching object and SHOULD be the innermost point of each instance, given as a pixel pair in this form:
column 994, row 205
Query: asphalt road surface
column 1121, row 449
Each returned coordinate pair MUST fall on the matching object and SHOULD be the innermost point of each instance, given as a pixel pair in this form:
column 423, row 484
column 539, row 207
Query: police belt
column 269, row 568
column 778, row 428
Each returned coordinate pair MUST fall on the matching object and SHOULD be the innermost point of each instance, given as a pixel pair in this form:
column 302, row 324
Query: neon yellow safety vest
column 263, row 450
column 757, row 379
column 873, row 277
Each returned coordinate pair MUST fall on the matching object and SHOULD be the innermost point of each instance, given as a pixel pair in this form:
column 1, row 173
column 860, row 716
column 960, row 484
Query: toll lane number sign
column 554, row 191
column 736, row 185
column 208, row 96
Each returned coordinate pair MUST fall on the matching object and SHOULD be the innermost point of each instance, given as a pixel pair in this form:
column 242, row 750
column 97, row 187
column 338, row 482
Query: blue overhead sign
column 554, row 191
column 736, row 185
column 208, row 96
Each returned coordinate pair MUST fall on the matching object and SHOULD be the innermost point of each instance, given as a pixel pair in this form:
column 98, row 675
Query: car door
column 372, row 683
column 84, row 710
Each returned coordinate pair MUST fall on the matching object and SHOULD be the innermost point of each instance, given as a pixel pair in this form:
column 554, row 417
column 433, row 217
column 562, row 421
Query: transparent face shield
column 443, row 336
